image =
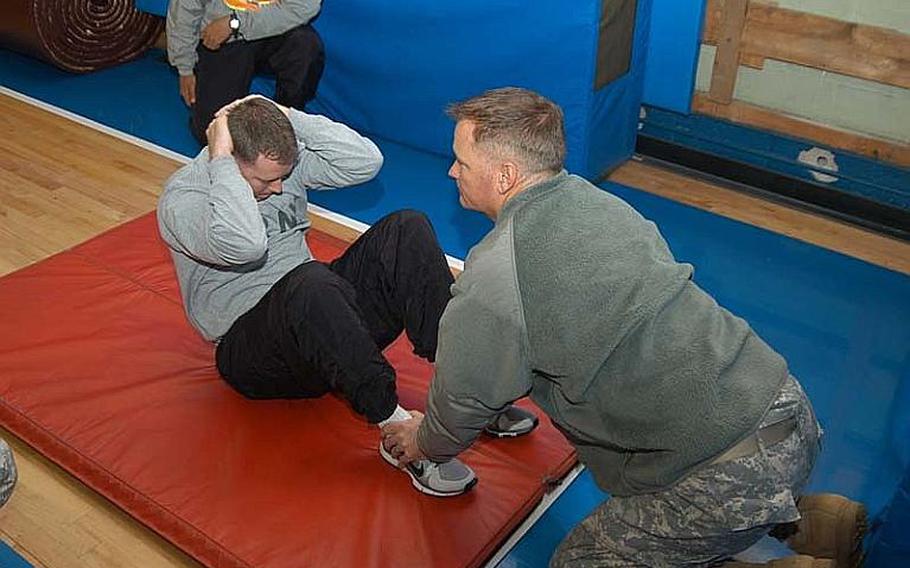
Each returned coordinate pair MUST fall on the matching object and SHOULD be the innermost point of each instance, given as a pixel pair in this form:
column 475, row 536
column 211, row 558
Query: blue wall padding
column 613, row 123
column 157, row 7
column 672, row 58
column 392, row 66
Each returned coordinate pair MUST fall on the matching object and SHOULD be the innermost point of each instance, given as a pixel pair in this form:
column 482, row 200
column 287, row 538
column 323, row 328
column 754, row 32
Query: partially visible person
column 217, row 50
column 683, row 414
column 8, row 473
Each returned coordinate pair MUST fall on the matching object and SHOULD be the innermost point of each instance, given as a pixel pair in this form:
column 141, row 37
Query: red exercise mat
column 100, row 372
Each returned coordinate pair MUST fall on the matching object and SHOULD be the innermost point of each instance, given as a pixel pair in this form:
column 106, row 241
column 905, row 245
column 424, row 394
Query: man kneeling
column 680, row 411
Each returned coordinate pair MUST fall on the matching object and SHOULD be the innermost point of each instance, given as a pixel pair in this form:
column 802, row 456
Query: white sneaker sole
column 416, row 482
column 507, row 434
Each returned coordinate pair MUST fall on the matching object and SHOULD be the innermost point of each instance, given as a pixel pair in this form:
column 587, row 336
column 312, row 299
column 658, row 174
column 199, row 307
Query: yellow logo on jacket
column 246, row 5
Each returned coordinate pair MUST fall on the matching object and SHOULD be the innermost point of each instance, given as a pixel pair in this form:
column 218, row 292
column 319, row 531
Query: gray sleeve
column 184, row 21
column 481, row 364
column 210, row 214
column 332, row 155
column 277, row 18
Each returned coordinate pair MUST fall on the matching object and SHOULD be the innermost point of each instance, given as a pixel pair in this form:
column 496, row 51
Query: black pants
column 323, row 327
column 296, row 58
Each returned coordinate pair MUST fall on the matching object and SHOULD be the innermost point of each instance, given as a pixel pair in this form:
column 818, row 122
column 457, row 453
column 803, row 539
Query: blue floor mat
column 9, row 558
column 843, row 324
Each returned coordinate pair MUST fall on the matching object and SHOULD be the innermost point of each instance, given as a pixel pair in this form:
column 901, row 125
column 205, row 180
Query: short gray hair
column 518, row 123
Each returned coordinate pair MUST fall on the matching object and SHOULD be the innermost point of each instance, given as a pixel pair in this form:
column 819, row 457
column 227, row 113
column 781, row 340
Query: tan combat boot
column 800, row 561
column 831, row 526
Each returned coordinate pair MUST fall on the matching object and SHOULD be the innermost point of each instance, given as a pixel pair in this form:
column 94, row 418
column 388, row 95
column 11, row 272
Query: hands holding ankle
column 400, row 439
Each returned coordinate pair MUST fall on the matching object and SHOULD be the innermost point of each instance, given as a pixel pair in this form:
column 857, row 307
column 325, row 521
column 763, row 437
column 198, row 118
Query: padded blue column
column 673, row 47
column 394, row 65
column 612, row 124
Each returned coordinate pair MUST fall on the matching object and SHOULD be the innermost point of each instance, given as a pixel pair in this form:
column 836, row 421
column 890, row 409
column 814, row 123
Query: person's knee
column 313, row 280
column 314, row 285
column 304, row 41
column 409, row 220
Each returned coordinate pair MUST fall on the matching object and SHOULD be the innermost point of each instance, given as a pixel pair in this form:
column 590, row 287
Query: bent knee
column 408, row 219
column 304, row 38
column 312, row 277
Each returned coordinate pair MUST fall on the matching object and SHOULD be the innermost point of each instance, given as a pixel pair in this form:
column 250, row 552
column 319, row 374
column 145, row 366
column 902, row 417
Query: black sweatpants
column 296, row 58
column 323, row 327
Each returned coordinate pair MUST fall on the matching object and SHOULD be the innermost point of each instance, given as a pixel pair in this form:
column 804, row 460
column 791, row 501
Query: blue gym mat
column 9, row 558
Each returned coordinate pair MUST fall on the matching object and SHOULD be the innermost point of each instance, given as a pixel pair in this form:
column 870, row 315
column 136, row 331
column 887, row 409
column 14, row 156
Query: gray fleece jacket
column 228, row 248
column 575, row 299
column 187, row 18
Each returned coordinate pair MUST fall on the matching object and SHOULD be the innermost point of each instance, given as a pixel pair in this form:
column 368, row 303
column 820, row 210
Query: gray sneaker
column 512, row 422
column 446, row 479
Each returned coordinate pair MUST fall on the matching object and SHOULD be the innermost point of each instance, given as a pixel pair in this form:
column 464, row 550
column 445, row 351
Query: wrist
column 234, row 25
column 217, row 153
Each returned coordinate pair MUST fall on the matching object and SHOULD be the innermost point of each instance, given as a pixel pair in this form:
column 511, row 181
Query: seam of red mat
column 126, row 276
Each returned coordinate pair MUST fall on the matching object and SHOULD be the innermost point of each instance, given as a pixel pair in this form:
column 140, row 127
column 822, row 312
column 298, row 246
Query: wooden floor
column 61, row 183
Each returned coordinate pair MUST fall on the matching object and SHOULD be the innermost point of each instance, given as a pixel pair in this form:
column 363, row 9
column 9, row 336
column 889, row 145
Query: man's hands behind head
column 227, row 108
column 219, row 135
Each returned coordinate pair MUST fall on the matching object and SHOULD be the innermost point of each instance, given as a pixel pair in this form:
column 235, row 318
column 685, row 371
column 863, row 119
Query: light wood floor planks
column 62, row 183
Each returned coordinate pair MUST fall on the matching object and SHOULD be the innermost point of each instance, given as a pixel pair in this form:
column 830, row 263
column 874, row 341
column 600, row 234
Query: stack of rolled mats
column 78, row 35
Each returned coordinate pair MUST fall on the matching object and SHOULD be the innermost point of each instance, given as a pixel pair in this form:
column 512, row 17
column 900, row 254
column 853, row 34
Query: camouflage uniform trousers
column 713, row 513
column 7, row 472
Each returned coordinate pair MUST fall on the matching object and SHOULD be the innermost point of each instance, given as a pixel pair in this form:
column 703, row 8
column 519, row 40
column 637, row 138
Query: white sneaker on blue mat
column 446, row 479
column 512, row 422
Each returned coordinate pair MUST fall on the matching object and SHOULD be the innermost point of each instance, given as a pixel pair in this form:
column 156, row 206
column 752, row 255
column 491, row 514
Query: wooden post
column 726, row 61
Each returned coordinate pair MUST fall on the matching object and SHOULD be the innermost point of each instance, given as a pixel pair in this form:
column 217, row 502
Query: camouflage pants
column 713, row 513
column 7, row 472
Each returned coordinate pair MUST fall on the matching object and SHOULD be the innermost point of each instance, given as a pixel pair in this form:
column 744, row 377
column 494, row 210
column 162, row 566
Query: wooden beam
column 868, row 52
column 752, row 115
column 752, row 60
column 726, row 62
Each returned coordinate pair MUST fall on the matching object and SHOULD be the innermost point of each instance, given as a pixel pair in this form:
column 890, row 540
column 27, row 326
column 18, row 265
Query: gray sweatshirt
column 575, row 299
column 228, row 248
column 187, row 18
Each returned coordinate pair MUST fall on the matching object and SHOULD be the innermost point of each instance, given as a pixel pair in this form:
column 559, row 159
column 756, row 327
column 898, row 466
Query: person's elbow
column 308, row 11
column 371, row 162
column 238, row 250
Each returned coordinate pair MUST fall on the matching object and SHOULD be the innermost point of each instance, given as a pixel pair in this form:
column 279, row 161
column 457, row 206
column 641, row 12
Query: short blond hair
column 517, row 123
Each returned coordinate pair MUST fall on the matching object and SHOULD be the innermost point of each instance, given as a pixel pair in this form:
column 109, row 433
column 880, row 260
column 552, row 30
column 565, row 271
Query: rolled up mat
column 78, row 35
